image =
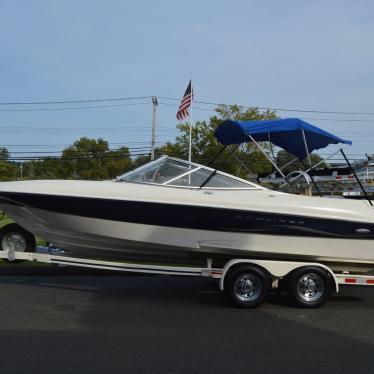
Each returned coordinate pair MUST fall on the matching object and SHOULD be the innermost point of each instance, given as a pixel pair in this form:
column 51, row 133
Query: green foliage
column 47, row 168
column 238, row 113
column 118, row 162
column 85, row 159
column 8, row 171
column 4, row 153
column 140, row 160
column 92, row 159
column 174, row 149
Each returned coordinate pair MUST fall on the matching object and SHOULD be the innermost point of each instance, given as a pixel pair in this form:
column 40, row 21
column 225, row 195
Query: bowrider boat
column 170, row 208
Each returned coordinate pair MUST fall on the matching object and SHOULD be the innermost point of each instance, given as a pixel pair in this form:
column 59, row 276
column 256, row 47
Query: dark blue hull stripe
column 192, row 217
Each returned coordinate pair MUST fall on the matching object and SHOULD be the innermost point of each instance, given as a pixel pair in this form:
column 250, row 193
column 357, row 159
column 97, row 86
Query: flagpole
column 190, row 147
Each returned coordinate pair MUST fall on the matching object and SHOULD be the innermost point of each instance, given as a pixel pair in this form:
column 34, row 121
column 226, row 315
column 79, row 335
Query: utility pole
column 153, row 142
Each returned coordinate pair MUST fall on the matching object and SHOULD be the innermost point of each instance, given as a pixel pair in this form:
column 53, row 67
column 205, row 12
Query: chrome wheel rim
column 13, row 241
column 248, row 287
column 310, row 287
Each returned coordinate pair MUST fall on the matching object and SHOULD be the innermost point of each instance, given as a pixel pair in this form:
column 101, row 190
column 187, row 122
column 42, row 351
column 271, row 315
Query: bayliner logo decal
column 270, row 220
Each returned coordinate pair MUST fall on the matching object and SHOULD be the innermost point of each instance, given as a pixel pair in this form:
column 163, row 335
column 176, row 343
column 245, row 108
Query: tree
column 4, row 153
column 85, row 159
column 118, row 162
column 46, row 168
column 8, row 171
column 92, row 159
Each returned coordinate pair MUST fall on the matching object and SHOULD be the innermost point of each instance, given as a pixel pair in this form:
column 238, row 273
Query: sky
column 305, row 55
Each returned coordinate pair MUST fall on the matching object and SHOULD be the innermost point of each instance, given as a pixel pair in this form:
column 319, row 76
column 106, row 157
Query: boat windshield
column 170, row 171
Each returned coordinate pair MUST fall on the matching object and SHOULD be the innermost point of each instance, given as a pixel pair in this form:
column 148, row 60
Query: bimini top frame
column 294, row 135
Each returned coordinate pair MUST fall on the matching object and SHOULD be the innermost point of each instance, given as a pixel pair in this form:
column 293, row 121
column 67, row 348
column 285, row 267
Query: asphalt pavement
column 162, row 324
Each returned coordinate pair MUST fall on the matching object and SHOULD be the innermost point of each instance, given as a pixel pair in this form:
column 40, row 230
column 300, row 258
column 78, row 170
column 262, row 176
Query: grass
column 5, row 220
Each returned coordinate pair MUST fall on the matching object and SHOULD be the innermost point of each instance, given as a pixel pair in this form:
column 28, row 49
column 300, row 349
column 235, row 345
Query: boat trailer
column 245, row 281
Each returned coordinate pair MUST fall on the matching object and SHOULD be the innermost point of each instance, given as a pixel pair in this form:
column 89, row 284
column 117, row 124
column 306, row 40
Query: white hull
column 111, row 238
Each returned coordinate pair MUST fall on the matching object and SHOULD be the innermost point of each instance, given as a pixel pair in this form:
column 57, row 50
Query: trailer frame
column 278, row 270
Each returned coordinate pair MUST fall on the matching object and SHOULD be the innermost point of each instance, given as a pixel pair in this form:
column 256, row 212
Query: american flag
column 185, row 103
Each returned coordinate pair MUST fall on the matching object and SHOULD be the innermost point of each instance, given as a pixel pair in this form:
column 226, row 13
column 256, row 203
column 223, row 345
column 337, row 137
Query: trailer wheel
column 247, row 286
column 14, row 237
column 309, row 286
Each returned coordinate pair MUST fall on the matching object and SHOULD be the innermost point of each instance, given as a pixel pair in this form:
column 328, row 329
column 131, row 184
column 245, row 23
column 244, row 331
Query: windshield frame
column 194, row 167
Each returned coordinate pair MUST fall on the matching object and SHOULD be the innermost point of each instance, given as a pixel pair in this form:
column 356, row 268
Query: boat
column 173, row 210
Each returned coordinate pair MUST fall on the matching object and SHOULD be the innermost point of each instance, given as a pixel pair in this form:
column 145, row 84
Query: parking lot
column 160, row 324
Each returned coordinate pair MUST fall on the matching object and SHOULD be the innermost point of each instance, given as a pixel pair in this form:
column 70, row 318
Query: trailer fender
column 277, row 269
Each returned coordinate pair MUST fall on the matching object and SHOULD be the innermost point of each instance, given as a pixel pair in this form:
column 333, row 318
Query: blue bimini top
column 285, row 133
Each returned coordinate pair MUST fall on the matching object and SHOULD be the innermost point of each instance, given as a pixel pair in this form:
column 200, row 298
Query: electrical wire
column 73, row 108
column 305, row 118
column 41, row 158
column 78, row 152
column 58, row 102
column 127, row 145
column 274, row 109
column 75, row 101
column 194, row 108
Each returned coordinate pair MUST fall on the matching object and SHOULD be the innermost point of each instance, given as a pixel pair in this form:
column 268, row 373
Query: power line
column 75, row 101
column 274, row 109
column 67, row 145
column 79, row 152
column 133, row 127
column 138, row 127
column 73, row 108
column 339, row 119
column 129, row 147
column 297, row 110
column 84, row 132
column 194, row 108
column 305, row 118
column 73, row 158
column 134, row 152
column 69, row 158
column 113, row 99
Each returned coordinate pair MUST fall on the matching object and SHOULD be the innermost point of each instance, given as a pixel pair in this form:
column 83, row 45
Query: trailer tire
column 309, row 287
column 15, row 236
column 247, row 286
